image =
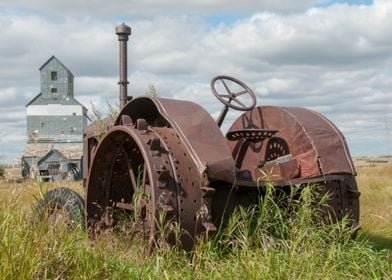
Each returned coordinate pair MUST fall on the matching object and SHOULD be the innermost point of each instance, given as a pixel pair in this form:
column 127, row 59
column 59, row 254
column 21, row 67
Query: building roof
column 68, row 150
column 60, row 156
column 40, row 100
column 33, row 100
column 51, row 58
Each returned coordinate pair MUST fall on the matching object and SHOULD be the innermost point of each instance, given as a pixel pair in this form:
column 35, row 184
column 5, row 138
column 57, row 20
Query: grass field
column 266, row 243
column 375, row 184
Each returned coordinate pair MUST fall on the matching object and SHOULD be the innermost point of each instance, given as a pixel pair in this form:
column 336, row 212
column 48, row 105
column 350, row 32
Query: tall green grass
column 276, row 239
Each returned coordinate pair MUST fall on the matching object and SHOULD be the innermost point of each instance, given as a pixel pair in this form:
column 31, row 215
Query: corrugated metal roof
column 69, row 150
column 40, row 100
column 51, row 58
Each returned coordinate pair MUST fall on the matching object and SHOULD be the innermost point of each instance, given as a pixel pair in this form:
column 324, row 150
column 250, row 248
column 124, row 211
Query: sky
column 330, row 56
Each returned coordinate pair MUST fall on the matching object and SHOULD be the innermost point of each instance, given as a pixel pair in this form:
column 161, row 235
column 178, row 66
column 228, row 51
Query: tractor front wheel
column 62, row 205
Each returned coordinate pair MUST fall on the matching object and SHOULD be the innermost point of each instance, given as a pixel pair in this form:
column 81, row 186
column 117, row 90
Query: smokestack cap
column 123, row 31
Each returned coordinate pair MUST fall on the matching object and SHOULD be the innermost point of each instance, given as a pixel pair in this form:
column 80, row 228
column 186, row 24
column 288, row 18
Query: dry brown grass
column 28, row 191
column 12, row 172
column 375, row 184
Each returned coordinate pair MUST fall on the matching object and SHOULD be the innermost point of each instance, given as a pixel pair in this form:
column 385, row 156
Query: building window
column 53, row 75
column 54, row 90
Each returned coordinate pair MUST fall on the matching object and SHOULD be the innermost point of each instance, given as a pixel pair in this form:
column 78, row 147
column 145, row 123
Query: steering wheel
column 228, row 96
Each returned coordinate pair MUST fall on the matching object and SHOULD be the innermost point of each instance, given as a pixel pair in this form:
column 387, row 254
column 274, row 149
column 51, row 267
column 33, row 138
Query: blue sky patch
column 327, row 3
column 227, row 19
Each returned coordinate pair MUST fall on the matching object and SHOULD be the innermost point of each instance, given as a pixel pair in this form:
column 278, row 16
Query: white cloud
column 335, row 60
column 154, row 7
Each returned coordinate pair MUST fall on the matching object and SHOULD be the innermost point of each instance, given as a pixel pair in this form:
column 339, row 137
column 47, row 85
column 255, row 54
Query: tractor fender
column 313, row 141
column 196, row 129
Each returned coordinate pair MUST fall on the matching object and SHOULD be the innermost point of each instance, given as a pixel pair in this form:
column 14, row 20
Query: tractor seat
column 251, row 135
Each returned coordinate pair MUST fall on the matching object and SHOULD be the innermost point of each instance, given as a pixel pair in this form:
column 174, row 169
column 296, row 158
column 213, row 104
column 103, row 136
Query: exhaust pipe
column 123, row 31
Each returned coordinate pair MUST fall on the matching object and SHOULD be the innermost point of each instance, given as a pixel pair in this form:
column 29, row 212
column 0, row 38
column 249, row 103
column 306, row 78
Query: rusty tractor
column 169, row 157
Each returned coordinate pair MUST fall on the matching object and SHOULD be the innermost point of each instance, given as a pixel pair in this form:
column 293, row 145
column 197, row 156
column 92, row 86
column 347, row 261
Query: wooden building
column 55, row 124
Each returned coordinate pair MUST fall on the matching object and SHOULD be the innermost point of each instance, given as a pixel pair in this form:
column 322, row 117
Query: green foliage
column 2, row 172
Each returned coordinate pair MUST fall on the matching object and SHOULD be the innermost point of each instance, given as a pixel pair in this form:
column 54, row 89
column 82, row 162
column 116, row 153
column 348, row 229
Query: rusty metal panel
column 279, row 171
column 196, row 128
column 331, row 146
column 317, row 145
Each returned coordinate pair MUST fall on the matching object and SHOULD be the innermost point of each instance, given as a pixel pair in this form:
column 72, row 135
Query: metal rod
column 123, row 31
column 222, row 115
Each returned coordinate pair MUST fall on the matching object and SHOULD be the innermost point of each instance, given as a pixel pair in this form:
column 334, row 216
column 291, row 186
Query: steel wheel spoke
column 239, row 102
column 240, row 93
column 227, row 88
column 133, row 178
column 131, row 173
